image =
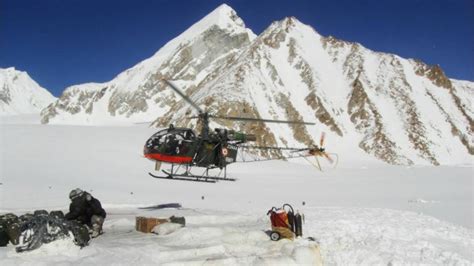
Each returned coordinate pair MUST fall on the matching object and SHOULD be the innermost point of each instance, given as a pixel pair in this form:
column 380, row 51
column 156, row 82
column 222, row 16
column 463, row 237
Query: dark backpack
column 9, row 226
column 4, row 239
column 5, row 221
column 42, row 228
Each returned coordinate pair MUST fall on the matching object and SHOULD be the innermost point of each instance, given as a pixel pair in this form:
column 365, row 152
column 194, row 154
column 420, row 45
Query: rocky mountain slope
column 401, row 111
column 19, row 94
column 136, row 94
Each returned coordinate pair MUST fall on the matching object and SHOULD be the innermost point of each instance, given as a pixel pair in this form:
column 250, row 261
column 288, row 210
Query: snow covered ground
column 362, row 212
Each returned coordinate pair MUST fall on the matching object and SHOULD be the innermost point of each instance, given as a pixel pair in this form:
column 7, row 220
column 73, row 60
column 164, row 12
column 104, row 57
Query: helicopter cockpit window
column 160, row 133
column 173, row 142
column 173, row 138
column 188, row 135
column 154, row 140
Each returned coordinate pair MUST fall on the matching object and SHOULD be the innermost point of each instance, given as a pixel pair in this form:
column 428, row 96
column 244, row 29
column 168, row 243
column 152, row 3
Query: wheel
column 275, row 236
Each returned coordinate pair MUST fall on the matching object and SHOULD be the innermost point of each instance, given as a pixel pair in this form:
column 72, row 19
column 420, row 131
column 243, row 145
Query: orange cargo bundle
column 146, row 224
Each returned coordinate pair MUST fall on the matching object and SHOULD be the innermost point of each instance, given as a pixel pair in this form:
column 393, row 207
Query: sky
column 66, row 42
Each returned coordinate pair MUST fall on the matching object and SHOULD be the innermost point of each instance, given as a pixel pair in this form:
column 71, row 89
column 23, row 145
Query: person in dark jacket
column 87, row 210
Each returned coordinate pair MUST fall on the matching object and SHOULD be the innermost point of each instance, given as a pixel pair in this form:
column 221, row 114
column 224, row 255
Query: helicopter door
column 229, row 153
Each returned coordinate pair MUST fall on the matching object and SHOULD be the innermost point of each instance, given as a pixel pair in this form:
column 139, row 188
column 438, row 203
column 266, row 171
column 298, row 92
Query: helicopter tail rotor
column 328, row 157
column 320, row 151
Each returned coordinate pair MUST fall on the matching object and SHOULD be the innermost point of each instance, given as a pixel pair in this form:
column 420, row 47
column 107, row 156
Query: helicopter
column 183, row 148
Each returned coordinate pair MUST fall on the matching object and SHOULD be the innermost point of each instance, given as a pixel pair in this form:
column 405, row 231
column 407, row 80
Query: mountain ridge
column 398, row 110
column 130, row 93
column 20, row 94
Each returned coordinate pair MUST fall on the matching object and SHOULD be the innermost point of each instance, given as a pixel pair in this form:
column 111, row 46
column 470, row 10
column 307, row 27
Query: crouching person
column 87, row 210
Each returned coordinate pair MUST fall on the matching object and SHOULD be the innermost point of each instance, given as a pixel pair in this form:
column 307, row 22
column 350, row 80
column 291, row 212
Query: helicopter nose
column 146, row 150
column 147, row 153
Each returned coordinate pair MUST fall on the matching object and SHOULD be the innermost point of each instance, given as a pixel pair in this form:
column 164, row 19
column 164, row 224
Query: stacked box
column 146, row 224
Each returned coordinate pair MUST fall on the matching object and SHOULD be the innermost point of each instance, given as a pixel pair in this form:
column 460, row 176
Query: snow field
column 346, row 236
column 365, row 236
column 362, row 212
column 237, row 240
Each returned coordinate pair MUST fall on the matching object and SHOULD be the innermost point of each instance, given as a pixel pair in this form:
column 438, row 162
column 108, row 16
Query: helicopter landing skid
column 188, row 176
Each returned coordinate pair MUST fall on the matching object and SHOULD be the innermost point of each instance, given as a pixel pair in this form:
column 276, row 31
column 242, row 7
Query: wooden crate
column 146, row 224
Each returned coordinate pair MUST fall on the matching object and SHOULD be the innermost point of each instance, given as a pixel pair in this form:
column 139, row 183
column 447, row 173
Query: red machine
column 285, row 223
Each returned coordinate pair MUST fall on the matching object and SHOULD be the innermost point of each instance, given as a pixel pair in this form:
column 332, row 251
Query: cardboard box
column 146, row 224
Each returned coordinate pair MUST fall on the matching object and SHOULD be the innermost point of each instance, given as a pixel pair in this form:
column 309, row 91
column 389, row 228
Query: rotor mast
column 205, row 125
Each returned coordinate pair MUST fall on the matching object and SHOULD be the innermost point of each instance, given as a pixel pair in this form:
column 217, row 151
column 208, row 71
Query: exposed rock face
column 321, row 113
column 397, row 110
column 300, row 133
column 20, row 94
column 433, row 73
column 5, row 96
column 75, row 100
column 407, row 88
column 367, row 120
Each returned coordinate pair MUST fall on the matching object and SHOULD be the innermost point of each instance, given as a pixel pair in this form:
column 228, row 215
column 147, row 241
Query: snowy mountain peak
column 223, row 17
column 398, row 110
column 290, row 27
column 223, row 9
column 292, row 24
column 19, row 93
column 136, row 94
column 10, row 70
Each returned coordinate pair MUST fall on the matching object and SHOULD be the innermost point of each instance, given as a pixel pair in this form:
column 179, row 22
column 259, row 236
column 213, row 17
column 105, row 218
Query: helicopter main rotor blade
column 321, row 141
column 260, row 120
column 186, row 98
